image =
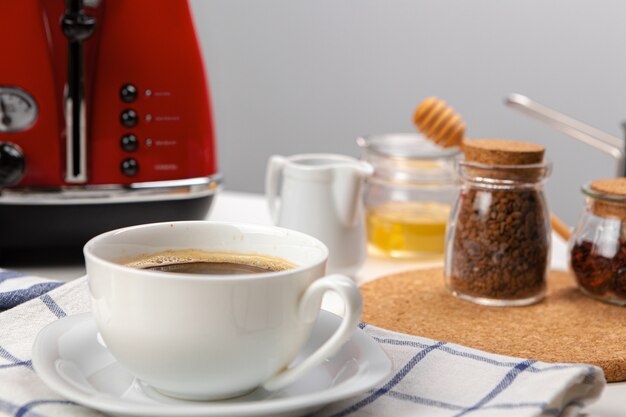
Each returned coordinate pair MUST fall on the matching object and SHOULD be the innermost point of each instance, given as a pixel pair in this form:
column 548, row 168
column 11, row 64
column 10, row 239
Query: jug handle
column 347, row 192
column 272, row 177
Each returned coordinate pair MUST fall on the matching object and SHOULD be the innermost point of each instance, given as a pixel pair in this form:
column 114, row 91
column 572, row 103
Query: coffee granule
column 501, row 244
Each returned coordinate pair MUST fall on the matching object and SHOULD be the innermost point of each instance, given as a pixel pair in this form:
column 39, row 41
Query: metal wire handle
column 573, row 128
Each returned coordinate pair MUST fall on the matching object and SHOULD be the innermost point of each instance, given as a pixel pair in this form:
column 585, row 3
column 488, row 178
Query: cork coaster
column 615, row 187
column 502, row 152
column 566, row 327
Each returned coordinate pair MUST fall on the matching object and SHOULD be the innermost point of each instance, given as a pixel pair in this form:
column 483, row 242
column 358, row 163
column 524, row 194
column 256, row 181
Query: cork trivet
column 502, row 152
column 613, row 187
column 565, row 327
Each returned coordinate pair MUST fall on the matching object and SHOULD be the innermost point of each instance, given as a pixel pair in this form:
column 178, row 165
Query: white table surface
column 251, row 208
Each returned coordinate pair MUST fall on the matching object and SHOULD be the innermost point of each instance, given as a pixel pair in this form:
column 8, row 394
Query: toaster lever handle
column 77, row 26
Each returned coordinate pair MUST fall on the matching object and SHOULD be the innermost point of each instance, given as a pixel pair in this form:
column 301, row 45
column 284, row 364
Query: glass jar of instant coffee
column 409, row 196
column 597, row 249
column 498, row 242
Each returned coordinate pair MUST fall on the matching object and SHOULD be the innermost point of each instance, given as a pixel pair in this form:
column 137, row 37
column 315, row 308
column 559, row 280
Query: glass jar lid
column 405, row 146
column 408, row 158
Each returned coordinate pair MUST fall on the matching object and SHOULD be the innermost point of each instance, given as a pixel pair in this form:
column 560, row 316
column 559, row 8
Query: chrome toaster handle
column 77, row 26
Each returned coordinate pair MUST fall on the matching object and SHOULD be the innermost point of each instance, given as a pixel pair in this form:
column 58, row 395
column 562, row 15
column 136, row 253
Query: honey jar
column 597, row 248
column 409, row 196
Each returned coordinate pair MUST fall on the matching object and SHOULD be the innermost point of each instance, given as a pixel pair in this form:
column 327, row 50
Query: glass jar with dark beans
column 598, row 245
column 498, row 240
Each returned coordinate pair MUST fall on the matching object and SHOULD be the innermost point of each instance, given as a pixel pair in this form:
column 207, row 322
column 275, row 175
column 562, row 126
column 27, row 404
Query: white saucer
column 71, row 359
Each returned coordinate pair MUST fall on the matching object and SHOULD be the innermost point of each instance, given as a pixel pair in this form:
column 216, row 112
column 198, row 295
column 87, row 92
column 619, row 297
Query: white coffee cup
column 214, row 336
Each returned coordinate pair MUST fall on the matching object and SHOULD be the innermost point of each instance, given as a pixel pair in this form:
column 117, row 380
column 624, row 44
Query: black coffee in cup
column 195, row 261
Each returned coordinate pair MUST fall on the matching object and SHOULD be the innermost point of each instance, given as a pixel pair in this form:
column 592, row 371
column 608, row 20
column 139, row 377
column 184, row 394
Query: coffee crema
column 201, row 262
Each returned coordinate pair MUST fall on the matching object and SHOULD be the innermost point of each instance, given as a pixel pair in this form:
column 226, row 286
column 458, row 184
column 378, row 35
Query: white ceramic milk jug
column 320, row 194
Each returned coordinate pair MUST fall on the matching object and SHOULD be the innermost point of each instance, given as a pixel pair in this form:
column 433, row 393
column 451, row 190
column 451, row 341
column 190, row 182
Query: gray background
column 291, row 76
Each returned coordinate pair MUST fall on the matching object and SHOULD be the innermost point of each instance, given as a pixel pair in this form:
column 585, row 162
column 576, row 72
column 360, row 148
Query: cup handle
column 308, row 310
column 272, row 175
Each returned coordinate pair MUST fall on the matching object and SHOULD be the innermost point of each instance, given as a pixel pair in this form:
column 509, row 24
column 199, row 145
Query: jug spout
column 347, row 185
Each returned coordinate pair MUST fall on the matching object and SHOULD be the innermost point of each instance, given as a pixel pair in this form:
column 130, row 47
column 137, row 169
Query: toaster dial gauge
column 18, row 109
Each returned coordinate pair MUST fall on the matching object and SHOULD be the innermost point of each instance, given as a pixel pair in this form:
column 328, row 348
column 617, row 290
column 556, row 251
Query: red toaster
column 105, row 119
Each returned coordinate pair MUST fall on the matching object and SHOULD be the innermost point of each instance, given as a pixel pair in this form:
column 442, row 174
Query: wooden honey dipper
column 441, row 124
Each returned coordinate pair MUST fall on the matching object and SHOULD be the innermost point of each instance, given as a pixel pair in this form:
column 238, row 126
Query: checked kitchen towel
column 429, row 378
column 17, row 287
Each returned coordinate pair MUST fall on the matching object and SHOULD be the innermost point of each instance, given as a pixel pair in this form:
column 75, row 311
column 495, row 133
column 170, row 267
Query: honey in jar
column 407, row 228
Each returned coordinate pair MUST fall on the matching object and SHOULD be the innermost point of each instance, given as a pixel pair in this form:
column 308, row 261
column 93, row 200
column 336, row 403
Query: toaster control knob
column 129, row 118
column 128, row 93
column 12, row 164
column 129, row 142
column 129, row 167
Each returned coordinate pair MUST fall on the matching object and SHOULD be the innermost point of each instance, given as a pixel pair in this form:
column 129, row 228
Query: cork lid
column 505, row 160
column 502, row 152
column 611, row 186
column 609, row 197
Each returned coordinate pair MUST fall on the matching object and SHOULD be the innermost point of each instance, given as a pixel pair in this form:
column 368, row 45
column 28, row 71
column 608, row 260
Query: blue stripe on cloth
column 27, row 364
column 440, row 404
column 509, row 406
column 556, row 412
column 447, row 349
column 486, row 359
column 502, row 385
column 26, row 408
column 424, row 401
column 14, row 361
column 8, row 356
column 10, row 409
column 398, row 342
column 12, row 298
column 52, row 306
column 4, row 275
column 392, row 382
